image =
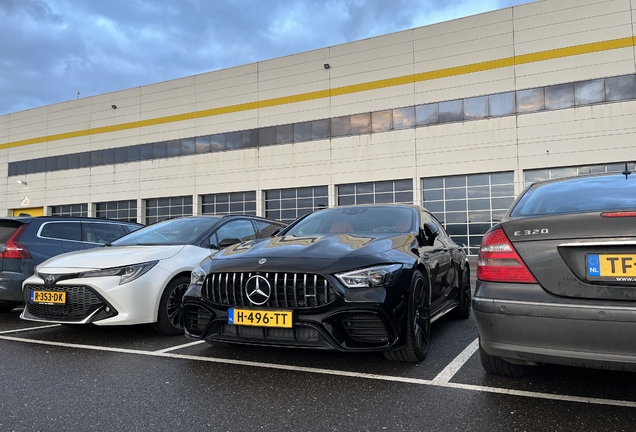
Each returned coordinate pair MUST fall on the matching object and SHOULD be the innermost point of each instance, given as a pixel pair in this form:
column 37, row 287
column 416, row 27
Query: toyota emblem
column 49, row 280
column 258, row 290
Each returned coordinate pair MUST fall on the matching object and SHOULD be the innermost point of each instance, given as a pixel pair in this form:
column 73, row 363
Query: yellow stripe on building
column 354, row 88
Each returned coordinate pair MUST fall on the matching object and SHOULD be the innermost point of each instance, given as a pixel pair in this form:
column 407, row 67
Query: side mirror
column 276, row 231
column 226, row 242
column 429, row 233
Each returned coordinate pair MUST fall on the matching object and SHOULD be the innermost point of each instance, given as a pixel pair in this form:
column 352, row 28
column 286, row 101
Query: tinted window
column 62, row 230
column 575, row 195
column 7, row 228
column 355, row 220
column 266, row 229
column 179, row 231
column 237, row 229
column 101, row 232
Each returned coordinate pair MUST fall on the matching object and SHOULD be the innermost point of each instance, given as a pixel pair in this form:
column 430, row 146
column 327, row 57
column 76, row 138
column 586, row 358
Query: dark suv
column 28, row 241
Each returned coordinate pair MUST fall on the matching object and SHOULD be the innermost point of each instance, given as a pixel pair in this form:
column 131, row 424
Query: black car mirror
column 429, row 233
column 228, row 242
column 276, row 231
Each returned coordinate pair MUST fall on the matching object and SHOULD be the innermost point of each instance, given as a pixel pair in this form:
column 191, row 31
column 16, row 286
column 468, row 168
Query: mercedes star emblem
column 258, row 290
column 262, row 261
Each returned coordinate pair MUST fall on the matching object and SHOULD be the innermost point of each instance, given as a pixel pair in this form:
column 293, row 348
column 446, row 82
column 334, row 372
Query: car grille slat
column 295, row 289
column 288, row 290
column 366, row 327
column 196, row 319
column 285, row 290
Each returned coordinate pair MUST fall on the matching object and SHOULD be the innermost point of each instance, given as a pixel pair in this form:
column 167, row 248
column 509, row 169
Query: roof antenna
column 627, row 172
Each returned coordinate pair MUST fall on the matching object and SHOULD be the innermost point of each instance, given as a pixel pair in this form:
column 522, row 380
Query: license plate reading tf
column 612, row 266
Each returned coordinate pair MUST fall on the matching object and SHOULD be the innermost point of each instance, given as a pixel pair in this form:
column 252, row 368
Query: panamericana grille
column 289, row 290
column 196, row 319
column 81, row 301
column 365, row 327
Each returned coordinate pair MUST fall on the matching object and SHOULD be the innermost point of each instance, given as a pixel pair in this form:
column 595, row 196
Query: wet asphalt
column 67, row 378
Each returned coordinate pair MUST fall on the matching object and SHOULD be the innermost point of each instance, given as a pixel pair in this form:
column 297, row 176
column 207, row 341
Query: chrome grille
column 289, row 290
column 81, row 301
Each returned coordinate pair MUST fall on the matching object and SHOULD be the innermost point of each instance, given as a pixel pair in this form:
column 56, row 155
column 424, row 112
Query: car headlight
column 126, row 273
column 198, row 276
column 382, row 275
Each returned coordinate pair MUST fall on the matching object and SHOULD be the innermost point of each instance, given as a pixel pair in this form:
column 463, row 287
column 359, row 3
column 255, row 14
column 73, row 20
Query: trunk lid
column 581, row 255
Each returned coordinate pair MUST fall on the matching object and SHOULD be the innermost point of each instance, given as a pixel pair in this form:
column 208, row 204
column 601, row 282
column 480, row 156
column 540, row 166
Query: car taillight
column 499, row 261
column 619, row 214
column 13, row 249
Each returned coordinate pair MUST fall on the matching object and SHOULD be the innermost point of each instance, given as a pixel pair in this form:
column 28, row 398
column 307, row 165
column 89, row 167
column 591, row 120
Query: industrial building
column 459, row 116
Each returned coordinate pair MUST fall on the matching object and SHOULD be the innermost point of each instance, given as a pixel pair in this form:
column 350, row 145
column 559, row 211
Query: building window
column 531, row 176
column 288, row 204
column 158, row 209
column 226, row 203
column 118, row 210
column 468, row 205
column 73, row 210
column 554, row 97
column 393, row 191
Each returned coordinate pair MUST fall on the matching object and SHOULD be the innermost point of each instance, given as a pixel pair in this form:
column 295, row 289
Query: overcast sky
column 50, row 49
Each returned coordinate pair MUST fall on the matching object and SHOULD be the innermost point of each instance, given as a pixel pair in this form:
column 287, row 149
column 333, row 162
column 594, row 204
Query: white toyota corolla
column 139, row 278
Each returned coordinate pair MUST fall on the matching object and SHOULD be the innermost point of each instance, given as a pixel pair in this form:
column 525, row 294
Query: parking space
column 80, row 362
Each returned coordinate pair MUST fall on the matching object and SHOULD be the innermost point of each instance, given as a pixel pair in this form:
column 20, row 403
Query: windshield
column 180, row 231
column 355, row 220
column 583, row 194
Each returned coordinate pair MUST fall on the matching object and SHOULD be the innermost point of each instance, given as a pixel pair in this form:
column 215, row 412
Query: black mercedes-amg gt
column 358, row 278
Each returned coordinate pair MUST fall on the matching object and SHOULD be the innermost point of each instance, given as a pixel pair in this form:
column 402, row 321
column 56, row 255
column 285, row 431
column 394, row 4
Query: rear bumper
column 11, row 287
column 525, row 324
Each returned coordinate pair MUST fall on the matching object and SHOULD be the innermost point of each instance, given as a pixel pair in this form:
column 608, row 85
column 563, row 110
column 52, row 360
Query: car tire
column 418, row 324
column 497, row 366
column 170, row 314
column 462, row 311
column 7, row 307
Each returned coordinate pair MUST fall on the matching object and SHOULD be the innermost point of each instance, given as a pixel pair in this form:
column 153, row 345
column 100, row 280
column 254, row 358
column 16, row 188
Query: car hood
column 112, row 256
column 326, row 247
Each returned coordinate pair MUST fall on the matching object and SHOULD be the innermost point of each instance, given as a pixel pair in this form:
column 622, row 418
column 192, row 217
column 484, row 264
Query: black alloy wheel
column 170, row 320
column 418, row 324
column 462, row 311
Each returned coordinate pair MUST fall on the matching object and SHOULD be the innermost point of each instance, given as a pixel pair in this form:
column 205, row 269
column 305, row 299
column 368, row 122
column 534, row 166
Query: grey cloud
column 61, row 46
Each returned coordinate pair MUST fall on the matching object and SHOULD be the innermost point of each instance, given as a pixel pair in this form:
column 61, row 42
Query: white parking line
column 29, row 328
column 510, row 392
column 449, row 371
column 180, row 346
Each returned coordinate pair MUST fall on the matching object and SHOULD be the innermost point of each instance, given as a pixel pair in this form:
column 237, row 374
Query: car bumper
column 11, row 287
column 135, row 302
column 522, row 323
column 341, row 326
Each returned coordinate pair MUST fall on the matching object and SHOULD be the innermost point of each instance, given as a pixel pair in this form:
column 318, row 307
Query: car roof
column 29, row 219
column 578, row 177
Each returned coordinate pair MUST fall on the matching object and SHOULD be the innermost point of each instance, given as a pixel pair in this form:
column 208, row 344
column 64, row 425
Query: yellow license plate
column 48, row 297
column 259, row 318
